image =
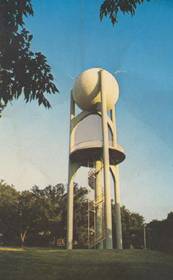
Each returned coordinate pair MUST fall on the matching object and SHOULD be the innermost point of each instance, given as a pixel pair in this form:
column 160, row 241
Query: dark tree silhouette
column 21, row 70
column 160, row 234
column 111, row 8
column 132, row 228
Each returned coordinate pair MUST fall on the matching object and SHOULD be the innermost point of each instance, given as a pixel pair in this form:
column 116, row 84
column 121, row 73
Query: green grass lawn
column 49, row 264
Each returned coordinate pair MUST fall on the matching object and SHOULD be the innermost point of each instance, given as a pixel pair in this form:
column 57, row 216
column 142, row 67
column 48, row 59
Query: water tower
column 96, row 92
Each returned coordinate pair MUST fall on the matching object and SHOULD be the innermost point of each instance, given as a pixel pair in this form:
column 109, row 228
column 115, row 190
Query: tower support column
column 118, row 225
column 115, row 174
column 72, row 168
column 107, row 191
column 70, row 210
column 99, row 205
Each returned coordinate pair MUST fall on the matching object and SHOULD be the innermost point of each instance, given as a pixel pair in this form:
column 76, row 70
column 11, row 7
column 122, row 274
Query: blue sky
column 34, row 141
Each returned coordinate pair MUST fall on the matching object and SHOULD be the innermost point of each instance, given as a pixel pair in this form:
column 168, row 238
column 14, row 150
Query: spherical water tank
column 86, row 90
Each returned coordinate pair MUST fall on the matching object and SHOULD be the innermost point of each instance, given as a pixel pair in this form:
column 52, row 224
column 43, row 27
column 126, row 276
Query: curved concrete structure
column 86, row 153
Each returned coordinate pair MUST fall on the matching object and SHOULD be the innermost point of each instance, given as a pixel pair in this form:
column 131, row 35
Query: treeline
column 38, row 218
column 160, row 234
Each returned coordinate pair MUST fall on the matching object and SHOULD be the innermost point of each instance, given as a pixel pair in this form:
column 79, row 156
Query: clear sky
column 34, row 141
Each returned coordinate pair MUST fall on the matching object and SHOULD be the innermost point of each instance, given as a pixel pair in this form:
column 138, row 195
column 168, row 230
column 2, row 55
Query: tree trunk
column 23, row 237
column 55, row 241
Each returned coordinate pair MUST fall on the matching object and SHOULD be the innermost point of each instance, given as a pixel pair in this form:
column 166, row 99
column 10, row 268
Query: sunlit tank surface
column 86, row 90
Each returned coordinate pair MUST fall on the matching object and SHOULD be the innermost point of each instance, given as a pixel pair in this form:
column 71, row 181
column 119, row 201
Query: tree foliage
column 80, row 216
column 160, row 234
column 52, row 202
column 21, row 70
column 38, row 217
column 132, row 228
column 29, row 215
column 111, row 8
column 8, row 211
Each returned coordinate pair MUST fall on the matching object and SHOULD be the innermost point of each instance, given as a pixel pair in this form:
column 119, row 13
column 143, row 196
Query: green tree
column 8, row 212
column 160, row 234
column 80, row 215
column 22, row 72
column 132, row 228
column 30, row 215
column 39, row 216
column 111, row 8
column 52, row 202
column 20, row 213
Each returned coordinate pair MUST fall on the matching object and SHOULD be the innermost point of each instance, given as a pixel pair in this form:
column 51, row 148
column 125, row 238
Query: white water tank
column 86, row 90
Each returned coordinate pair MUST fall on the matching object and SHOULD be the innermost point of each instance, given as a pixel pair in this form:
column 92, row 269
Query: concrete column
column 115, row 174
column 107, row 192
column 114, row 132
column 145, row 237
column 72, row 168
column 117, row 207
column 99, row 205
